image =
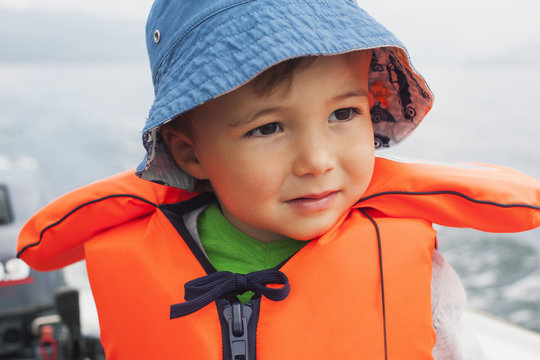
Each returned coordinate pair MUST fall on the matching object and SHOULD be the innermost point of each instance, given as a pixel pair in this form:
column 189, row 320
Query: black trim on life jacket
column 379, row 245
column 175, row 214
column 71, row 212
column 448, row 192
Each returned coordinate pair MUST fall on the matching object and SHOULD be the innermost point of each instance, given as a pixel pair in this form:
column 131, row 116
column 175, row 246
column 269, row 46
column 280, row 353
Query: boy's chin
column 313, row 232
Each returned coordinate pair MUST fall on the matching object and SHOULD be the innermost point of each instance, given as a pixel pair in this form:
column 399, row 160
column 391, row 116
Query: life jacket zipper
column 239, row 323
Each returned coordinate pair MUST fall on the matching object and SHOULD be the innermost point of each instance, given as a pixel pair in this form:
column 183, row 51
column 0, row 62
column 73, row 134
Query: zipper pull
column 237, row 316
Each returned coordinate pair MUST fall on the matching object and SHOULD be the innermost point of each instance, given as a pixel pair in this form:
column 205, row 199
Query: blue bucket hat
column 202, row 49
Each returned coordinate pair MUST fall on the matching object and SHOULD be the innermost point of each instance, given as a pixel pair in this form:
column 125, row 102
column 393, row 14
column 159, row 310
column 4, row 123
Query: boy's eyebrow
column 353, row 93
column 247, row 119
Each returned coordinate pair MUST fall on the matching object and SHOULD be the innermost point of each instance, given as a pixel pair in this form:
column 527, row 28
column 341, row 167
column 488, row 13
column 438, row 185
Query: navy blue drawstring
column 204, row 290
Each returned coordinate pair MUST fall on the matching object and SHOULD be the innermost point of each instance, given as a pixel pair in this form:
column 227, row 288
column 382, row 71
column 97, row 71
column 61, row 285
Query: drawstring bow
column 204, row 290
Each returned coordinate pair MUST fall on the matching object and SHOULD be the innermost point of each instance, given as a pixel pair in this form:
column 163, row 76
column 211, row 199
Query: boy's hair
column 281, row 73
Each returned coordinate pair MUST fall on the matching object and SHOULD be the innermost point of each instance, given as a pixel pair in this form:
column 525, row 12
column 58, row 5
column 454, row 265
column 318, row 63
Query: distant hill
column 69, row 37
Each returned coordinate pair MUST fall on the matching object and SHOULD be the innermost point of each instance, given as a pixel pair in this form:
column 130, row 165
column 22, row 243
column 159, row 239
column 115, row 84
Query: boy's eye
column 342, row 114
column 265, row 130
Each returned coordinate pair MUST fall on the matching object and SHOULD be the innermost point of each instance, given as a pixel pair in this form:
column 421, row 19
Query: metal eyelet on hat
column 157, row 36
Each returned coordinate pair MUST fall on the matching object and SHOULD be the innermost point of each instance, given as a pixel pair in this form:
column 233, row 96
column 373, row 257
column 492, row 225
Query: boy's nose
column 314, row 156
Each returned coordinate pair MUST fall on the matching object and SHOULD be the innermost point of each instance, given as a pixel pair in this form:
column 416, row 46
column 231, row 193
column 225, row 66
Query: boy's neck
column 261, row 235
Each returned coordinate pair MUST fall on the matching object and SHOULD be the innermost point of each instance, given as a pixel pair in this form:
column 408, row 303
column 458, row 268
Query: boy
column 302, row 244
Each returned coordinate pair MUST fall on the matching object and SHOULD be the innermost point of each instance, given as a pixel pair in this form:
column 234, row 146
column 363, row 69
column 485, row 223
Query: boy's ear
column 182, row 149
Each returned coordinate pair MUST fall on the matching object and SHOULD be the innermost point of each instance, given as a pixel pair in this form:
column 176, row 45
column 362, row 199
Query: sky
column 438, row 30
column 476, row 27
column 123, row 9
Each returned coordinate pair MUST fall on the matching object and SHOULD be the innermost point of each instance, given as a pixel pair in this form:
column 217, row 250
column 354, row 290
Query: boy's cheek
column 365, row 174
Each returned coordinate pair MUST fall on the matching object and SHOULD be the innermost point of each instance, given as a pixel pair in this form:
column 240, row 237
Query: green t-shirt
column 229, row 249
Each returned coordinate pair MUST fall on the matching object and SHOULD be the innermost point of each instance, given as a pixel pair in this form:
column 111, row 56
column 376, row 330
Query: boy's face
column 291, row 162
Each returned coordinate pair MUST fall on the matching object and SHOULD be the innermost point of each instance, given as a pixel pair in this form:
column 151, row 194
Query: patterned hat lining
column 400, row 101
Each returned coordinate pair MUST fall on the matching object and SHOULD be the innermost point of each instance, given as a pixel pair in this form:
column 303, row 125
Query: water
column 487, row 113
column 70, row 124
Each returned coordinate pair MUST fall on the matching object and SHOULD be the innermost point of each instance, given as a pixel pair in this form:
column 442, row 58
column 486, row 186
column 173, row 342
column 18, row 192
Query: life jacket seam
column 77, row 208
column 449, row 192
column 383, row 301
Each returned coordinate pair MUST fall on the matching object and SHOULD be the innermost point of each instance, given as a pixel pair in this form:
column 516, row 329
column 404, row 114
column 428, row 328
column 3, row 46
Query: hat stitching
column 190, row 28
column 215, row 29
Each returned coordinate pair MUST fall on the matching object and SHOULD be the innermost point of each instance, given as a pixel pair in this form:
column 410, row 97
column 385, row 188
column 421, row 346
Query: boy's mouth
column 313, row 202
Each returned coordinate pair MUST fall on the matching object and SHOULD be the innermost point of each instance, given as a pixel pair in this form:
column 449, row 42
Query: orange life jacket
column 361, row 291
